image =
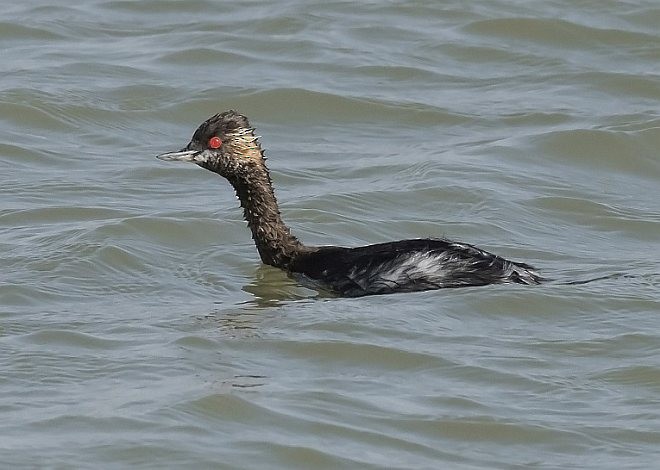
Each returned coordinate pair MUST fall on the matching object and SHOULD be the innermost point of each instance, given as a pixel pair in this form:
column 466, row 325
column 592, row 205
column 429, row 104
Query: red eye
column 215, row 142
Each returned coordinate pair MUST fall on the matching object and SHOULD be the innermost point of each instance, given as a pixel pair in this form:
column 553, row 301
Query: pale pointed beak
column 181, row 156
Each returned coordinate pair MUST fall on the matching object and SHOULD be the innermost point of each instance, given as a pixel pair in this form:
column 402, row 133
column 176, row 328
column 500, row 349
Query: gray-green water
column 138, row 329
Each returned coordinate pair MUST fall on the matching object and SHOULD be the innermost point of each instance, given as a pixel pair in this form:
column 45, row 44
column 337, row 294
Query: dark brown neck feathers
column 254, row 189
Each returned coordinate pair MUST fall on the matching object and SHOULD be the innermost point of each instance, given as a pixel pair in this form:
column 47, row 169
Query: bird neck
column 276, row 246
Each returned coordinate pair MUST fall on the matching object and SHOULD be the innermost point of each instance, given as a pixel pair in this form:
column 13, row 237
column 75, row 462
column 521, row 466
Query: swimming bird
column 226, row 144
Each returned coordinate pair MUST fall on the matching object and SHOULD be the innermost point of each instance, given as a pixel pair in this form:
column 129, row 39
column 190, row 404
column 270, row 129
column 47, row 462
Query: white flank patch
column 431, row 267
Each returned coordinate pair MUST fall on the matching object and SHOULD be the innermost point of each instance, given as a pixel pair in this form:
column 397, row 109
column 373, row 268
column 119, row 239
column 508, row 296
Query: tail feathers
column 522, row 273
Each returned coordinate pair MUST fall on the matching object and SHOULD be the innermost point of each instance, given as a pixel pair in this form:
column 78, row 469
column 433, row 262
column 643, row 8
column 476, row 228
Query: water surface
column 138, row 328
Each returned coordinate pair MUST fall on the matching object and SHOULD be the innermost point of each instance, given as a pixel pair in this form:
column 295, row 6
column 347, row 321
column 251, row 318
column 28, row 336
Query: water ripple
column 138, row 327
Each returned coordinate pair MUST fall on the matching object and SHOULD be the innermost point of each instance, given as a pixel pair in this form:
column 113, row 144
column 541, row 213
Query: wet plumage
column 226, row 144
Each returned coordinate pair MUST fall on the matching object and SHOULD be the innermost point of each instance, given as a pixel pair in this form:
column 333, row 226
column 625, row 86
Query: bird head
column 225, row 143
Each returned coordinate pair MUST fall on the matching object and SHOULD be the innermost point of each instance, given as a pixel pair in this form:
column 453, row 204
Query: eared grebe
column 226, row 144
